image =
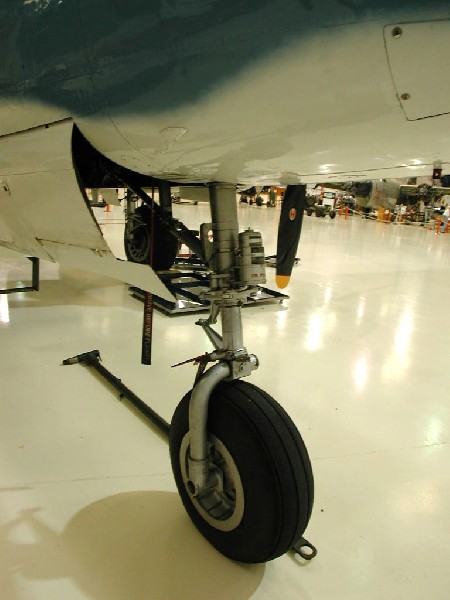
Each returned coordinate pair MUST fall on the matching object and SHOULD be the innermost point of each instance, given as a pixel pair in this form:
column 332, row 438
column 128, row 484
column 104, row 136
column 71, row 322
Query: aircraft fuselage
column 249, row 92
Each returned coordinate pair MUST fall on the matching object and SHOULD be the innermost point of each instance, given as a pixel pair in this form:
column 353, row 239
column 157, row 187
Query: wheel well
column 96, row 170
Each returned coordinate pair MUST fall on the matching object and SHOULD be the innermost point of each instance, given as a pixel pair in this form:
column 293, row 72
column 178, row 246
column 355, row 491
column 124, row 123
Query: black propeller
column 289, row 229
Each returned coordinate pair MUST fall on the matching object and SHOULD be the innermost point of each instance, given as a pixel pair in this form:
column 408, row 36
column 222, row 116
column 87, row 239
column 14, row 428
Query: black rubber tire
column 273, row 465
column 165, row 245
column 332, row 214
column 309, row 212
column 259, row 201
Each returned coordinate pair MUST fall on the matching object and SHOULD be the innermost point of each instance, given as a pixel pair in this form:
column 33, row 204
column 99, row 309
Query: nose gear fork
column 198, row 460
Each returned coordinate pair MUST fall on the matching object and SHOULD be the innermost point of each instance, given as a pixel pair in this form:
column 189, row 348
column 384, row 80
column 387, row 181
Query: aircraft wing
column 46, row 214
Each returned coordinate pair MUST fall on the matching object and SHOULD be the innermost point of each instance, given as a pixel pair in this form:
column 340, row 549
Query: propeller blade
column 289, row 228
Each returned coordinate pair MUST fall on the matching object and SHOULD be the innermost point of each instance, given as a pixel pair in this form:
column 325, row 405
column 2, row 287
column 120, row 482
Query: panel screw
column 405, row 96
column 397, row 32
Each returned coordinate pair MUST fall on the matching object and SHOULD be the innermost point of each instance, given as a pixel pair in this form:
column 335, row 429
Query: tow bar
column 92, row 359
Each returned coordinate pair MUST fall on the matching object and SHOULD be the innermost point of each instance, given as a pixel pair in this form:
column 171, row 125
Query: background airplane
column 388, row 193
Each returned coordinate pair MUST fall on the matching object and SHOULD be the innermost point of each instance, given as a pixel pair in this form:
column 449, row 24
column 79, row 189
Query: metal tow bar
column 92, row 359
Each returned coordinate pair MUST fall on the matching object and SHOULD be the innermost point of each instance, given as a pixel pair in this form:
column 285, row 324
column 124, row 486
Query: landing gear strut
column 240, row 465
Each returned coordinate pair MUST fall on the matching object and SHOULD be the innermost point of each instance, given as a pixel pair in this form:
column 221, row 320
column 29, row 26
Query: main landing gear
column 146, row 239
column 240, row 465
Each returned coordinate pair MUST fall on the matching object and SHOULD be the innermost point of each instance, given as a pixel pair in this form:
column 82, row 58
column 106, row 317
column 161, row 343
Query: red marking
column 292, row 214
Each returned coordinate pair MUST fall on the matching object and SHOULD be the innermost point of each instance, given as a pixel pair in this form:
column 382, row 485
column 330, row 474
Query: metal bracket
column 300, row 548
column 215, row 338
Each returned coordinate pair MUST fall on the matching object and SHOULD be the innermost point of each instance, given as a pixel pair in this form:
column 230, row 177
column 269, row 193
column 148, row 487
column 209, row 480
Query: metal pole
column 92, row 359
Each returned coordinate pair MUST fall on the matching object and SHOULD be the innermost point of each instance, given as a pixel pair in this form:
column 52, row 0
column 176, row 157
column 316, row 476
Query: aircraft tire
column 137, row 249
column 267, row 495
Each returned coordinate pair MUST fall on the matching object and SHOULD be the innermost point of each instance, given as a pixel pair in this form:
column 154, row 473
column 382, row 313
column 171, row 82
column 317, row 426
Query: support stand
column 189, row 289
column 34, row 287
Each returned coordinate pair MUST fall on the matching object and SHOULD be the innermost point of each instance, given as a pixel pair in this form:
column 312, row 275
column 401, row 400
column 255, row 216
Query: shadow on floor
column 136, row 545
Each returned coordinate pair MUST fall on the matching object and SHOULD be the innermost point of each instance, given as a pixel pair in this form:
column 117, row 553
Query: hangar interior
column 358, row 356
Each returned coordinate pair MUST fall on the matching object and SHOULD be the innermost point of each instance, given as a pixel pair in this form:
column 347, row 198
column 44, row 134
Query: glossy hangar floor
column 359, row 357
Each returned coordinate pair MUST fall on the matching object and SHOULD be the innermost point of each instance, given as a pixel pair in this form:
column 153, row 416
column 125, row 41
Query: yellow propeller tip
column 282, row 280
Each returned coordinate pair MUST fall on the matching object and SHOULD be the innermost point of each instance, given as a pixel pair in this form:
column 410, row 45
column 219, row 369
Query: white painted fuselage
column 362, row 98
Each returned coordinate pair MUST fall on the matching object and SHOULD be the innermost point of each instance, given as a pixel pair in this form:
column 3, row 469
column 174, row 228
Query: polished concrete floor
column 359, row 356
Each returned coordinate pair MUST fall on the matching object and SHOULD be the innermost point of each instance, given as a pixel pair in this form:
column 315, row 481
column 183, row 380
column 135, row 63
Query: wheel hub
column 138, row 239
column 221, row 503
